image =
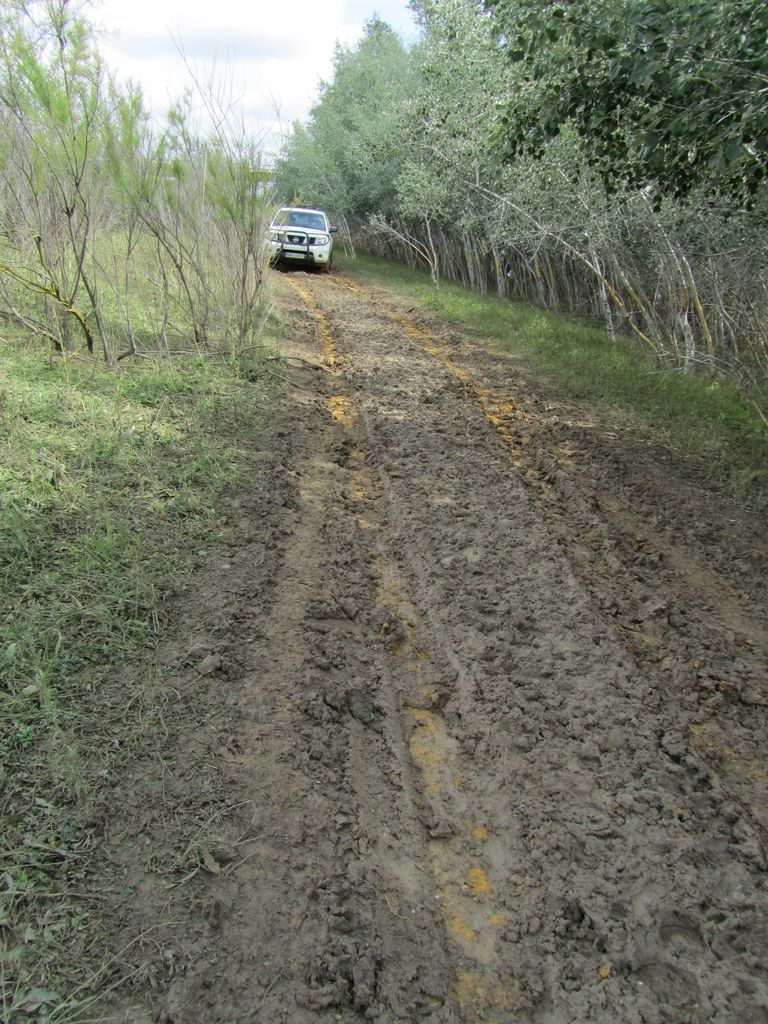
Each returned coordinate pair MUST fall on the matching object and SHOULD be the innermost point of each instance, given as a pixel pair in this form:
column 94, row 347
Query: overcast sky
column 275, row 52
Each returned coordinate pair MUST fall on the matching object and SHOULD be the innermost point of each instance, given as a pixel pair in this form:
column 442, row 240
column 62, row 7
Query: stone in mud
column 210, row 663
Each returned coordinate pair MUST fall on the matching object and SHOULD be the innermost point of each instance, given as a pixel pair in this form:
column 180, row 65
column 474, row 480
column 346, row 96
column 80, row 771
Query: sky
column 269, row 56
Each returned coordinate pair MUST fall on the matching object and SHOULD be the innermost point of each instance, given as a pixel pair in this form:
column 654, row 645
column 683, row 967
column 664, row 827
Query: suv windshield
column 300, row 219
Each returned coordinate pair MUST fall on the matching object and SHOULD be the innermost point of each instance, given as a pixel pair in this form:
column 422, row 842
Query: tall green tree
column 672, row 93
column 348, row 155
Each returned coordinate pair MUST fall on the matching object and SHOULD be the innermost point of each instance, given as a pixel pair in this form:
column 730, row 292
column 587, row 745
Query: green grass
column 111, row 482
column 707, row 420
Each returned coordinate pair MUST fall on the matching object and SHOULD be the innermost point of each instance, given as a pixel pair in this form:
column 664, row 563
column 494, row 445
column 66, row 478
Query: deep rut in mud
column 492, row 688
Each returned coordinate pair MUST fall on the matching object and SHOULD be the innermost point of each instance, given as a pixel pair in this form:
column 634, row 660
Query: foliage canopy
column 672, row 93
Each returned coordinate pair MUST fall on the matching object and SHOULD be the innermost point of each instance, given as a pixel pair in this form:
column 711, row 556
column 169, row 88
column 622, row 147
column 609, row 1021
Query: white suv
column 299, row 235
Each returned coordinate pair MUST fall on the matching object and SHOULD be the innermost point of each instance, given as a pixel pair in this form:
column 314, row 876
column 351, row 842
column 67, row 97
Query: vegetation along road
column 468, row 721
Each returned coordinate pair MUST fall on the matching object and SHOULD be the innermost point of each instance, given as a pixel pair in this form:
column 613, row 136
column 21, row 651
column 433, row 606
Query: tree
column 672, row 93
column 349, row 154
column 52, row 94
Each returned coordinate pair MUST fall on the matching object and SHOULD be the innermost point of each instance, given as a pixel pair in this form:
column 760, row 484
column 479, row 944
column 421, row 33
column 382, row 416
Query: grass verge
column 705, row 419
column 111, row 483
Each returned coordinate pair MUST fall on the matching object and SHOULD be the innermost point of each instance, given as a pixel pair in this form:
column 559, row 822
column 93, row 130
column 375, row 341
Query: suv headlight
column 321, row 239
column 274, row 236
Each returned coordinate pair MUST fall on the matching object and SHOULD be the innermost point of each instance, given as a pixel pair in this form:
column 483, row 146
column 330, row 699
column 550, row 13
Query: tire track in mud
column 721, row 654
column 588, row 864
column 332, row 914
column 413, row 682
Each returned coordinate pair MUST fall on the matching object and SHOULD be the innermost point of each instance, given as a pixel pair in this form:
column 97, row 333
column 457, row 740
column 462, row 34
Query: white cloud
column 273, row 55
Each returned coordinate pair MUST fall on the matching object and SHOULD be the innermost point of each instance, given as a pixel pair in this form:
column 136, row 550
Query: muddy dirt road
column 485, row 692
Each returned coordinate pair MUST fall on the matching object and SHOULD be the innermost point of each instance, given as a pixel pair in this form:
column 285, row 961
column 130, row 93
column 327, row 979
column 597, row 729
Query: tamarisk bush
column 126, row 234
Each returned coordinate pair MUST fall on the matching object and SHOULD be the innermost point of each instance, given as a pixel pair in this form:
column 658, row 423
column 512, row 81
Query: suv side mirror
column 334, row 229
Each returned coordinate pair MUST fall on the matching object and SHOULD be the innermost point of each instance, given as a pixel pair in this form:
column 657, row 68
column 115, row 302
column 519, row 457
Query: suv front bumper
column 293, row 245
